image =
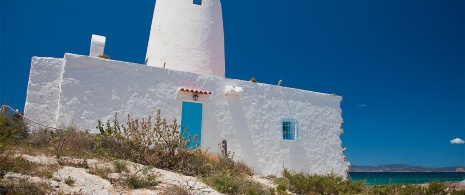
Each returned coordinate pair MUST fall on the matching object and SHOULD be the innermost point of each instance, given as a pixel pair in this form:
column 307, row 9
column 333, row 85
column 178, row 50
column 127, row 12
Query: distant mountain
column 403, row 168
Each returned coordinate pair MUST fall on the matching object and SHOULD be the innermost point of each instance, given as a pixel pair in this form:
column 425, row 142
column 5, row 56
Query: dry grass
column 17, row 164
column 23, row 186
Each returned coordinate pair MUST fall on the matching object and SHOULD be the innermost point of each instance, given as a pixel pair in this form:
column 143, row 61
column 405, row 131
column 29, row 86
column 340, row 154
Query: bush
column 136, row 182
column 231, row 177
column 302, row 183
column 41, row 138
column 71, row 142
column 282, row 184
column 12, row 128
column 102, row 171
column 155, row 143
column 436, row 187
column 224, row 182
column 152, row 142
column 120, row 166
column 158, row 143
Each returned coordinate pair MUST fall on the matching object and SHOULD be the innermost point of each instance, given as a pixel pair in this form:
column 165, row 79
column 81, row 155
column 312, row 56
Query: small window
column 289, row 126
column 198, row 2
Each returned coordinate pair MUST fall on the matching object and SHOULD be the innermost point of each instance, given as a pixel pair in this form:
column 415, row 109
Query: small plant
column 224, row 183
column 175, row 190
column 105, row 56
column 251, row 191
column 102, row 171
column 135, row 182
column 120, row 166
column 302, row 183
column 282, row 184
column 70, row 181
column 253, row 80
column 78, row 163
column 436, row 187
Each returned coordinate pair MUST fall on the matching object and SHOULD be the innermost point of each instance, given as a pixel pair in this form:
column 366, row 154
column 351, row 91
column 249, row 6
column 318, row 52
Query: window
column 289, row 128
column 198, row 2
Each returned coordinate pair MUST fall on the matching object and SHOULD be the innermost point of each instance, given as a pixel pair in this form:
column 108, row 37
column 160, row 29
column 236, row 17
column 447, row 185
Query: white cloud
column 457, row 141
column 362, row 105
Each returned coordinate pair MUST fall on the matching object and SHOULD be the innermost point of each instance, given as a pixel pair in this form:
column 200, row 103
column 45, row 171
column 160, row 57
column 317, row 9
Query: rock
column 14, row 176
column 114, row 177
column 85, row 183
column 153, row 183
column 54, row 184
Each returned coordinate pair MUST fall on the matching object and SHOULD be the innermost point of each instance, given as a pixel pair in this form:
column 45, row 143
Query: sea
column 385, row 178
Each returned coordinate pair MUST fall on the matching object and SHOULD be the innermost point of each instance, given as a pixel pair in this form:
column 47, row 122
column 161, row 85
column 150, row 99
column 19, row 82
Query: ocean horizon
column 386, row 178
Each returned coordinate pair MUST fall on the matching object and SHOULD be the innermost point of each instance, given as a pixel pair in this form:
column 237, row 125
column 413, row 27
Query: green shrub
column 135, row 182
column 253, row 80
column 436, row 187
column 282, row 185
column 12, row 129
column 9, row 163
column 224, row 182
column 302, row 183
column 70, row 181
column 230, row 182
column 251, row 191
column 252, row 187
column 120, row 166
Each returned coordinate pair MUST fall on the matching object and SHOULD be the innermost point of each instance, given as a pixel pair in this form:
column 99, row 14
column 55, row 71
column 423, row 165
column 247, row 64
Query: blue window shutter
column 198, row 2
column 289, row 128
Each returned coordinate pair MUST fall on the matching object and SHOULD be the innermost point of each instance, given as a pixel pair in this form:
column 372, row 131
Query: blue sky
column 399, row 64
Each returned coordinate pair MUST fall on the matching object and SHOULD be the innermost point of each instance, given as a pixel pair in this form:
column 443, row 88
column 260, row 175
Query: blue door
column 191, row 120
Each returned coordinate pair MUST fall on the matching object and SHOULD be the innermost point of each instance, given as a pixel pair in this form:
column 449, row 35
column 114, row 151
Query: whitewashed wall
column 95, row 88
column 43, row 90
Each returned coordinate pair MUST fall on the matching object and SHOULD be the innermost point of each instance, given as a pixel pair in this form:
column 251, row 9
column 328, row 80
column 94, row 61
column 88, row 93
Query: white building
column 266, row 126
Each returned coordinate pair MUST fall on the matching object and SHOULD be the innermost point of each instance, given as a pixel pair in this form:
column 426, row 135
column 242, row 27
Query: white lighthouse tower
column 187, row 35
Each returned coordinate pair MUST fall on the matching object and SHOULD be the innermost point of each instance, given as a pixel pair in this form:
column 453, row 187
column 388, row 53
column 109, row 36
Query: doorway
column 191, row 119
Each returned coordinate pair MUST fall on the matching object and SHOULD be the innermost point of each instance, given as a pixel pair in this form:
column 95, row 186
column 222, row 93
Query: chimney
column 97, row 45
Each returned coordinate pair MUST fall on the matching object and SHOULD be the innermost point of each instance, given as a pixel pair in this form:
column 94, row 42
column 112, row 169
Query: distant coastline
column 404, row 168
column 386, row 178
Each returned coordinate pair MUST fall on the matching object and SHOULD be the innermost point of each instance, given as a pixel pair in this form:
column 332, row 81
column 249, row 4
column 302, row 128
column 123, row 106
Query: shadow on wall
column 243, row 133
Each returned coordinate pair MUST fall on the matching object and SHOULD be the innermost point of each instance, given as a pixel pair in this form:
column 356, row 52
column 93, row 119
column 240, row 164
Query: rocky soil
column 102, row 177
